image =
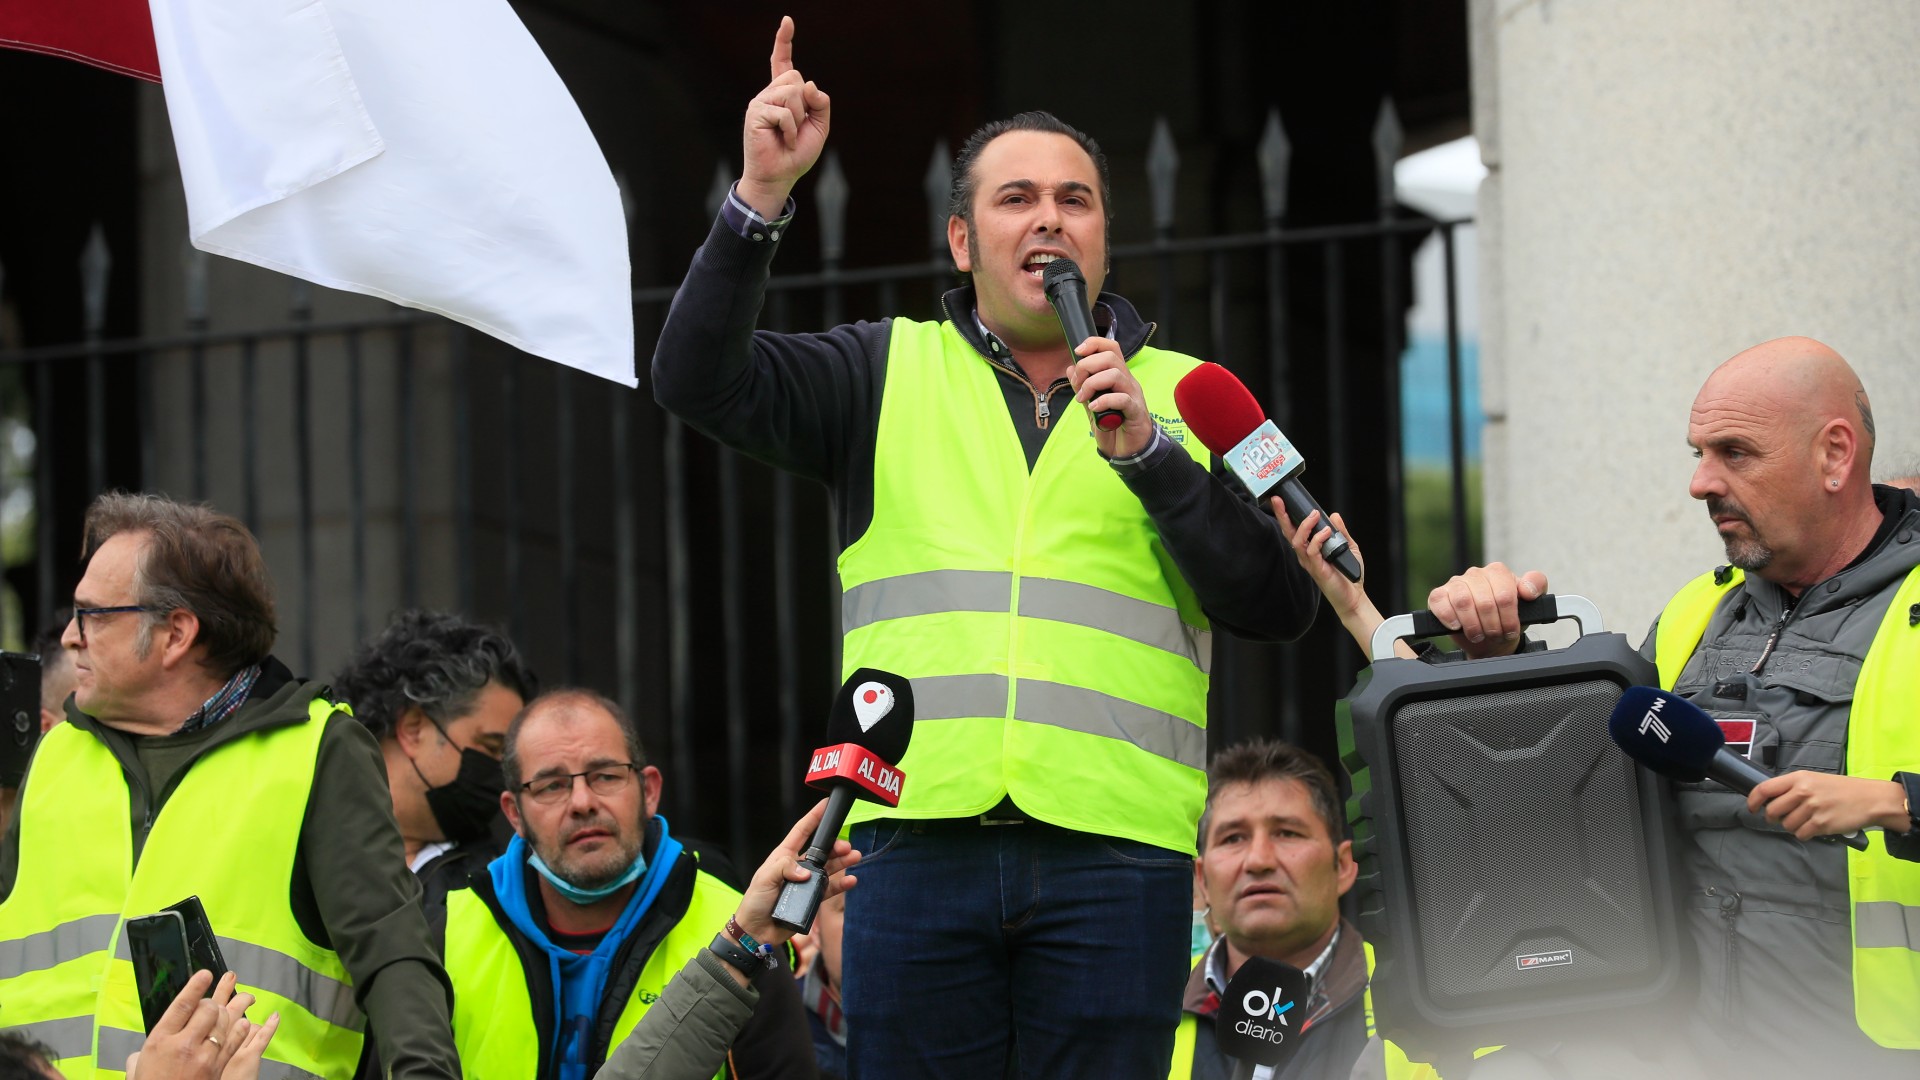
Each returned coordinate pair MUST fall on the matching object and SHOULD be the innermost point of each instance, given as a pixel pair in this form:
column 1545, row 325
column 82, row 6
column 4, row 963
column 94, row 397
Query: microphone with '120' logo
column 1262, row 1012
column 1677, row 739
column 867, row 732
column 1222, row 414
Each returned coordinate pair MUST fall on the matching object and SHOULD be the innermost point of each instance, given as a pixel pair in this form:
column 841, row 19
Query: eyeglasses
column 604, row 781
column 80, row 614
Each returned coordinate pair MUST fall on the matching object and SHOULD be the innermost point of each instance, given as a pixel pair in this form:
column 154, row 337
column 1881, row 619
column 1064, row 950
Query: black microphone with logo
column 1263, row 1013
column 1066, row 290
column 1677, row 739
column 867, row 733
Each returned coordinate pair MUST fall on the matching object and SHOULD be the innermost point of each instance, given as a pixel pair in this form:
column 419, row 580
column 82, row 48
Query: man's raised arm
column 794, row 401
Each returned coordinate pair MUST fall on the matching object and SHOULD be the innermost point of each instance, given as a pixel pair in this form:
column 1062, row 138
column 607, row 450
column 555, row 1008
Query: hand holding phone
column 203, row 1033
column 167, row 947
column 157, row 944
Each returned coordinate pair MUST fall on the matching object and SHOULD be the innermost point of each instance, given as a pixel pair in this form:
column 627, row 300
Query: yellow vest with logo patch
column 1057, row 655
column 494, row 1026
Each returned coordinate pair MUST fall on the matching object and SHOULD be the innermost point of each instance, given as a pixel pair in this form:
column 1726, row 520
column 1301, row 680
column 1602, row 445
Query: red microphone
column 1223, row 415
column 868, row 730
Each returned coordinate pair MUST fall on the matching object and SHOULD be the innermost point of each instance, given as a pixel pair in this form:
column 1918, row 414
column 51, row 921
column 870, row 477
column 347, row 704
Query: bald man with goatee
column 1806, row 650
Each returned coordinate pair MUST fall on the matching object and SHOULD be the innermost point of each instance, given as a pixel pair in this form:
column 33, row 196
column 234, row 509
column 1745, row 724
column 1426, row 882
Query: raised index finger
column 783, row 47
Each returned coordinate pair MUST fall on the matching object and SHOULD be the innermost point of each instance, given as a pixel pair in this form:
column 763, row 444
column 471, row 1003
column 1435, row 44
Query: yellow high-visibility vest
column 494, row 1020
column 1884, row 892
column 228, row 834
column 1056, row 652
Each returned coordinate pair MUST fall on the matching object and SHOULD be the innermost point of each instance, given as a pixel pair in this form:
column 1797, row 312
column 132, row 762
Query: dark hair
column 437, row 661
column 22, row 1058
column 53, row 654
column 198, row 559
column 1271, row 759
column 965, row 182
column 567, row 699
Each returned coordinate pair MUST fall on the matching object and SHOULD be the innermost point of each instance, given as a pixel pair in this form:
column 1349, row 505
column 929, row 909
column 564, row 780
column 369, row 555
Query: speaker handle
column 1545, row 609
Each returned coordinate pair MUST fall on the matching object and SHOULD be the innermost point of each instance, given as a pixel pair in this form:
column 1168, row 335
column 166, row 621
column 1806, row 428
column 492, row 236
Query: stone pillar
column 1667, row 185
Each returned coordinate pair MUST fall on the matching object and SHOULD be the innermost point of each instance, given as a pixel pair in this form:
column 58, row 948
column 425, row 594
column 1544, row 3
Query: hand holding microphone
column 1677, row 739
column 1223, row 415
column 783, row 868
column 867, row 732
column 1066, row 290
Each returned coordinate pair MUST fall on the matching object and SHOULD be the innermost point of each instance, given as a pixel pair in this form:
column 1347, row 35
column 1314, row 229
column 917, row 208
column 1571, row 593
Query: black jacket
column 810, row 404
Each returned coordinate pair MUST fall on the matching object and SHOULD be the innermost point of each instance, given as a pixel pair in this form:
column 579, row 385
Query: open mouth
column 1036, row 263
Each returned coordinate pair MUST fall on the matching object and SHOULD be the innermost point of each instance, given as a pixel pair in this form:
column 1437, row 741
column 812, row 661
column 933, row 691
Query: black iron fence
column 399, row 460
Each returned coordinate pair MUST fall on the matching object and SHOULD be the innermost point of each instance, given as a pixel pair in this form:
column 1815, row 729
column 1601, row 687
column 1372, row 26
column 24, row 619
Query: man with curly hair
column 438, row 691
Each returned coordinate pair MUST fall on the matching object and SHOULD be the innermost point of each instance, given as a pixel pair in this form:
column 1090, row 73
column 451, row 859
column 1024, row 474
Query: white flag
column 422, row 151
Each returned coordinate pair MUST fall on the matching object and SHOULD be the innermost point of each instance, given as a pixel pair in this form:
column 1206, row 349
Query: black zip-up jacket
column 810, row 404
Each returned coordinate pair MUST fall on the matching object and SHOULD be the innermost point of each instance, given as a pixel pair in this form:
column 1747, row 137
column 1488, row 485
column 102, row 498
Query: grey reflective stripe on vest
column 931, row 592
column 1886, row 924
column 69, row 941
column 955, row 697
column 1122, row 616
column 115, row 1045
column 951, row 697
column 925, row 593
column 1094, row 713
column 69, row 1038
column 277, row 973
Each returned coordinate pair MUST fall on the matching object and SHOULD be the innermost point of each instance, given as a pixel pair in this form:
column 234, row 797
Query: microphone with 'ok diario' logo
column 1262, row 1012
column 867, row 732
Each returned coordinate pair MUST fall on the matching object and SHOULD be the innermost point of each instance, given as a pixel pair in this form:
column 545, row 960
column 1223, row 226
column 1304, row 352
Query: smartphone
column 161, row 963
column 19, row 714
column 202, row 948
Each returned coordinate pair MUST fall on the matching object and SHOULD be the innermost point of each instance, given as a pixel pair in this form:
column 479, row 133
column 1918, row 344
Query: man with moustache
column 559, row 950
column 1049, row 586
column 1807, row 651
column 1273, row 866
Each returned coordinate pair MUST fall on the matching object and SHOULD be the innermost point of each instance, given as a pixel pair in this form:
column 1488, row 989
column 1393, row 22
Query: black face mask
column 465, row 808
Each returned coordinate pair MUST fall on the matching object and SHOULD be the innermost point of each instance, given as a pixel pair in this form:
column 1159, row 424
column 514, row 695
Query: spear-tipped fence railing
column 691, row 583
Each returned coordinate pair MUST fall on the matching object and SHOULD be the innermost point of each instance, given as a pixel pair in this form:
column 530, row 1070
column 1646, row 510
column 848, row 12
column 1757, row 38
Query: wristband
column 753, row 948
column 735, row 957
column 1910, row 783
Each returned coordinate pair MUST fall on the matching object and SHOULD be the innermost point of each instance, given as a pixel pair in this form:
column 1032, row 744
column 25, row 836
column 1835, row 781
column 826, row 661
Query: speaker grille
column 1528, row 871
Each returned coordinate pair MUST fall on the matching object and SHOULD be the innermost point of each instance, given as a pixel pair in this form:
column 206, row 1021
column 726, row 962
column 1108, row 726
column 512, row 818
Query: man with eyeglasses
column 195, row 764
column 559, row 950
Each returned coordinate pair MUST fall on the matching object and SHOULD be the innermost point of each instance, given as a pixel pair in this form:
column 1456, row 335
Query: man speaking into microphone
column 1048, row 585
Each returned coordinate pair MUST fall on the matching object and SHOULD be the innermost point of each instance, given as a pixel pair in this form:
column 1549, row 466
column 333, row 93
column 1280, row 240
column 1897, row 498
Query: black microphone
column 1263, row 1012
column 1677, row 739
column 1067, row 291
column 1222, row 414
column 867, row 732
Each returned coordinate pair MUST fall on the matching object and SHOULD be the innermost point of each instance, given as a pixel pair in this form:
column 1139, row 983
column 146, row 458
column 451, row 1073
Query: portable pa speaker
column 1515, row 866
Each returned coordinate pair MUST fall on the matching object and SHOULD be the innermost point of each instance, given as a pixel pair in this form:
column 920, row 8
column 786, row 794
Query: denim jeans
column 980, row 951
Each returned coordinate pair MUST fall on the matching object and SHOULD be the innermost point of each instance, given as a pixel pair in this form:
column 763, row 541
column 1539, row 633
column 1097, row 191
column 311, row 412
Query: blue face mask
column 587, row 896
